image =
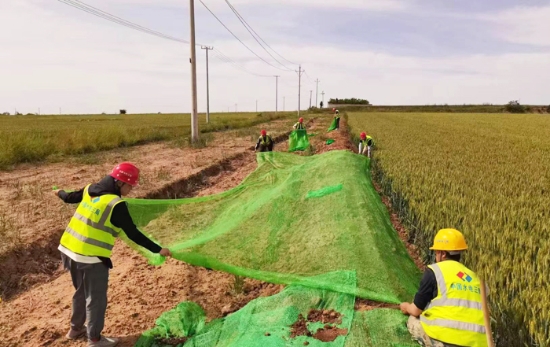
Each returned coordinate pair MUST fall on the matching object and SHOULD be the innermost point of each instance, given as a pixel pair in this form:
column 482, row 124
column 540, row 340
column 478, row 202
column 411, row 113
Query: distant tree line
column 352, row 101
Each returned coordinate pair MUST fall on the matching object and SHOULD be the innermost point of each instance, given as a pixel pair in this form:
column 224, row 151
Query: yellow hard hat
column 449, row 240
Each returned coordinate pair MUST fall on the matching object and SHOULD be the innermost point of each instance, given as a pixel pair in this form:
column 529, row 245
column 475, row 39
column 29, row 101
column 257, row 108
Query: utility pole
column 300, row 72
column 235, row 108
column 207, row 85
column 256, row 105
column 277, row 94
column 60, row 110
column 284, row 103
column 193, row 61
column 317, row 93
column 323, row 94
column 310, row 92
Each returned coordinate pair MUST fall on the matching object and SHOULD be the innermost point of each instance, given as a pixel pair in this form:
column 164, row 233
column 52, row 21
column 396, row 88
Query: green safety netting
column 334, row 124
column 264, row 322
column 298, row 141
column 329, row 141
column 293, row 218
column 267, row 322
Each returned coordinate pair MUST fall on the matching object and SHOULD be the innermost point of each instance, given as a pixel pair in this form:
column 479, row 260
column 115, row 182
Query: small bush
column 548, row 109
column 515, row 107
column 122, row 111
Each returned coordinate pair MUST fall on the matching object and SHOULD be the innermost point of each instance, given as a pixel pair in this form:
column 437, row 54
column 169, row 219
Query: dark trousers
column 90, row 299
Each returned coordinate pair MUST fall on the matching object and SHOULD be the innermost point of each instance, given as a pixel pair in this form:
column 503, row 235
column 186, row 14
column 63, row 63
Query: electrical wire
column 117, row 20
column 112, row 18
column 238, row 39
column 253, row 33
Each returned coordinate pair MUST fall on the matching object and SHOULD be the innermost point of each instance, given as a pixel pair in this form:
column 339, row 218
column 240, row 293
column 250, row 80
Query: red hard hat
column 127, row 173
column 301, row 120
column 363, row 135
column 263, row 132
column 333, row 108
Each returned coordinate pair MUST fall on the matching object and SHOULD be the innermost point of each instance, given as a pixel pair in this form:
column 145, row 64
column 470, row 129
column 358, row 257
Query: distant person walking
column 87, row 244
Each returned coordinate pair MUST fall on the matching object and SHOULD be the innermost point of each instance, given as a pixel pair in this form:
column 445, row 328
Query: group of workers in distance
column 265, row 143
column 446, row 311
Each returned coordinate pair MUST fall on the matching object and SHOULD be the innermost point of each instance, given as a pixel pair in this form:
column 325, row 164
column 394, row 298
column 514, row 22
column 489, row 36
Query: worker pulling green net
column 267, row 228
column 298, row 140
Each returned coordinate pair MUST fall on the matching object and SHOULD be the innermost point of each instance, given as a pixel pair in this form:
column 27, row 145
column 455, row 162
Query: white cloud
column 523, row 25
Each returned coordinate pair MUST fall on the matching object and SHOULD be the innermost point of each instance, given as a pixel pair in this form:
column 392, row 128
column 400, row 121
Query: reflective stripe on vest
column 455, row 316
column 266, row 141
column 300, row 126
column 90, row 231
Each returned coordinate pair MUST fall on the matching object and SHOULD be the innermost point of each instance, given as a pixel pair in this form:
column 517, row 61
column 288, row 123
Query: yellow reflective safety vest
column 299, row 126
column 90, row 231
column 265, row 141
column 455, row 316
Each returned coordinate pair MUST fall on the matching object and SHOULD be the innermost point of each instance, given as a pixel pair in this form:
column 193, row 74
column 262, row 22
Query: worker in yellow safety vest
column 265, row 142
column 300, row 125
column 87, row 243
column 447, row 309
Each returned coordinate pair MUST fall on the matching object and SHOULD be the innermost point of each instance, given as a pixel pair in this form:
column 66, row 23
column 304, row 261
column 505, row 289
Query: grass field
column 487, row 175
column 38, row 138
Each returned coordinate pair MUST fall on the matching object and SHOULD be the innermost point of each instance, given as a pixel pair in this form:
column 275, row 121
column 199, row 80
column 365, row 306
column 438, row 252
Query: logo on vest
column 464, row 276
column 94, row 200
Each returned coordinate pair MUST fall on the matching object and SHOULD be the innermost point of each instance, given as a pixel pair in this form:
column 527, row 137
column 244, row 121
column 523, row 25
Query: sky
column 55, row 58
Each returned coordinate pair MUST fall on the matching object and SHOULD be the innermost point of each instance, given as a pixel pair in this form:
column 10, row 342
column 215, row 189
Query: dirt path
column 138, row 293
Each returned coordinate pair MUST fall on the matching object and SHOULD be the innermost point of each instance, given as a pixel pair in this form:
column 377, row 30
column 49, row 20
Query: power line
column 252, row 32
column 235, row 36
column 117, row 20
column 112, row 18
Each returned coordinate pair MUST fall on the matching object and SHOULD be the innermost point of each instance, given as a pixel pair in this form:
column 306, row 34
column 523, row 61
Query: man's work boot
column 74, row 334
column 104, row 342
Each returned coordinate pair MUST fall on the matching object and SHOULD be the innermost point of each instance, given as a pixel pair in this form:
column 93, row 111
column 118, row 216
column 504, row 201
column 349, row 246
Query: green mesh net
column 329, row 142
column 271, row 321
column 334, row 124
column 298, row 141
column 271, row 228
column 314, row 223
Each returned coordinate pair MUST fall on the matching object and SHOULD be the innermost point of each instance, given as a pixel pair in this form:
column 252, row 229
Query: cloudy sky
column 387, row 51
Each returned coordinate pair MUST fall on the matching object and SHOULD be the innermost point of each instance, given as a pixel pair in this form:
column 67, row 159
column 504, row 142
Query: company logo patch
column 94, row 200
column 464, row 276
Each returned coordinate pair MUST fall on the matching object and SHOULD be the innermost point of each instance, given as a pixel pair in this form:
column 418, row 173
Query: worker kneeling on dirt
column 87, row 243
column 365, row 144
column 300, row 125
column 449, row 302
column 265, row 142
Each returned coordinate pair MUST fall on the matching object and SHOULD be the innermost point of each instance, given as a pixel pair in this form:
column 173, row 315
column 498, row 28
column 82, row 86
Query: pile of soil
column 328, row 333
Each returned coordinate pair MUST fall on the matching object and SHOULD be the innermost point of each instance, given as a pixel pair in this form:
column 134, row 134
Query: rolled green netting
column 298, row 141
column 329, row 141
column 267, row 228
